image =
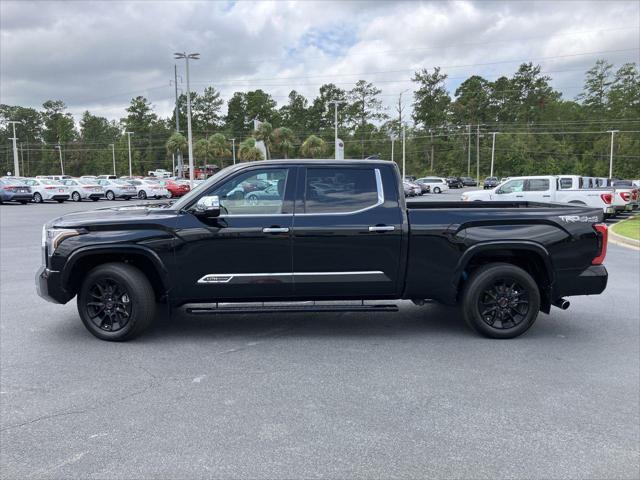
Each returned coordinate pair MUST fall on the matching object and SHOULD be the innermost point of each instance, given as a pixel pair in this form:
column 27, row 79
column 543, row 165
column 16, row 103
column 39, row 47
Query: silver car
column 84, row 189
column 149, row 189
column 117, row 189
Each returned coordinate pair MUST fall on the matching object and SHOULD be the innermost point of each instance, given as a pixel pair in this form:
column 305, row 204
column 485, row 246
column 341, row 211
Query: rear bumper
column 49, row 286
column 17, row 197
column 591, row 281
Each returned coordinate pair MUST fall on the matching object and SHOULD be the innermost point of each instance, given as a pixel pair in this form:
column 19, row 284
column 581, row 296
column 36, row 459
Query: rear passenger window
column 335, row 190
column 537, row 185
column 565, row 183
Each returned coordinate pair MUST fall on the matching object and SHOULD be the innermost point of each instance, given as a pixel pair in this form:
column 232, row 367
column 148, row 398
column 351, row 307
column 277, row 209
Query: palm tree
column 248, row 150
column 265, row 133
column 218, row 145
column 284, row 140
column 313, row 147
column 202, row 150
column 177, row 144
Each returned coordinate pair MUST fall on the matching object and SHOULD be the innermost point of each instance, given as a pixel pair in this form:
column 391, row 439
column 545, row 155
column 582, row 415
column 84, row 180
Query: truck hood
column 135, row 214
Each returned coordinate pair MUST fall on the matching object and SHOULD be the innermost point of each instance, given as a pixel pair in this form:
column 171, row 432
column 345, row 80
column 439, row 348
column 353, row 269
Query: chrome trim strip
column 380, row 201
column 214, row 278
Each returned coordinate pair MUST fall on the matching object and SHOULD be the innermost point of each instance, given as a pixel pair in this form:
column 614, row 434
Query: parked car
column 45, row 189
column 411, row 189
column 106, row 177
column 436, row 184
column 545, row 189
column 53, row 177
column 12, row 190
column 88, row 177
column 117, row 189
column 490, row 182
column 159, row 173
column 84, row 189
column 455, row 182
column 149, row 188
column 175, row 188
column 469, row 182
column 409, row 178
column 503, row 263
column 627, row 192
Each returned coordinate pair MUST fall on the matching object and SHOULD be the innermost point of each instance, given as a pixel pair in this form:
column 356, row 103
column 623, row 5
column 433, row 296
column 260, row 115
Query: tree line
column 537, row 130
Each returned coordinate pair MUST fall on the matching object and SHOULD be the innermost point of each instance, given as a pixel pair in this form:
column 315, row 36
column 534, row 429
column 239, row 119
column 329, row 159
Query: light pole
column 187, row 56
column 612, row 132
column 335, row 123
column 478, row 153
column 233, row 149
column 59, row 147
column 129, row 144
column 113, row 156
column 404, row 152
column 16, row 166
column 493, row 151
column 393, row 139
column 469, row 152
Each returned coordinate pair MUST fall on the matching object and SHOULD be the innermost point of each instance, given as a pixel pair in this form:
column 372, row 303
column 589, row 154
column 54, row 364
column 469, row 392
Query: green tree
column 59, row 126
column 206, row 110
column 236, row 119
column 471, row 105
column 265, row 134
column 284, row 140
column 203, row 151
column 596, row 87
column 431, row 99
column 531, row 93
column 365, row 107
column 313, row 147
column 295, row 114
column 623, row 97
column 248, row 150
column 219, row 147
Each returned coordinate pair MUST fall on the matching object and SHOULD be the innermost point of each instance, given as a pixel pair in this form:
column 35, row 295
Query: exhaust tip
column 562, row 303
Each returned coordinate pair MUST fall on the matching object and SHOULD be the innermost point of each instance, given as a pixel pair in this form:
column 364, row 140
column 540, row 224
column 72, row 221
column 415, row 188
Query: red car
column 175, row 189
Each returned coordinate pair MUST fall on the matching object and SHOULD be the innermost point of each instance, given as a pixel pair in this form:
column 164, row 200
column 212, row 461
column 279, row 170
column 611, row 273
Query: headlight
column 53, row 237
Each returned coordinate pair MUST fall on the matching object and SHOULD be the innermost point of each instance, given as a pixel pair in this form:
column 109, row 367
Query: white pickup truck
column 159, row 173
column 547, row 189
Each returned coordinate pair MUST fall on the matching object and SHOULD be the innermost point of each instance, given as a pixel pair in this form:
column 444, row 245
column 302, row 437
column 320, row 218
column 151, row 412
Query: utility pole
column 393, row 139
column 187, row 56
column 469, row 152
column 233, row 149
column 16, row 166
column 493, row 151
column 113, row 156
column 21, row 158
column 478, row 154
column 612, row 132
column 59, row 147
column 432, row 153
column 335, row 124
column 404, row 152
column 399, row 109
column 129, row 143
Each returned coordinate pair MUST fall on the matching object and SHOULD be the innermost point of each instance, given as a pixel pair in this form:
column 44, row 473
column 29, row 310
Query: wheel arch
column 85, row 259
column 530, row 256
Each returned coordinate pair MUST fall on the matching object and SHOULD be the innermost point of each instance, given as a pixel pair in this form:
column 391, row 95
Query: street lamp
column 335, row 110
column 233, row 148
column 129, row 143
column 187, row 57
column 493, row 151
column 612, row 132
column 59, row 148
column 113, row 154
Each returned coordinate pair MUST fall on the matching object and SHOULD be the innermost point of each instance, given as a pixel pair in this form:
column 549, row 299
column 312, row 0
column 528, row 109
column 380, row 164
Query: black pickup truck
column 309, row 235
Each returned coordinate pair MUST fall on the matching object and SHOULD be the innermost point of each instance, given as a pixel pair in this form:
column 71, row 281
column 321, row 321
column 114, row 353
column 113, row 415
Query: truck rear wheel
column 116, row 302
column 500, row 300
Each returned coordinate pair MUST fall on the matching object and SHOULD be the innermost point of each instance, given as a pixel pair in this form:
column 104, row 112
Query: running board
column 285, row 307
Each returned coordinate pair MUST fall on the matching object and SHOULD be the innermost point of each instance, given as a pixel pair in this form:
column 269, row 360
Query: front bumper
column 49, row 286
column 591, row 281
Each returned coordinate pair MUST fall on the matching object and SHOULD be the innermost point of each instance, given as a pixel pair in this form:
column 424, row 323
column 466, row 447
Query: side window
column 257, row 192
column 565, row 183
column 512, row 186
column 537, row 185
column 335, row 190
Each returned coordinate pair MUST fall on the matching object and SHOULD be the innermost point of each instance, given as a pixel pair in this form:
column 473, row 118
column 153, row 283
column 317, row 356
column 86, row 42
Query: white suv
column 437, row 184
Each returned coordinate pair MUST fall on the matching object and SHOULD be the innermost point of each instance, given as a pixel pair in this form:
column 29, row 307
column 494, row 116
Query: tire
column 498, row 279
column 142, row 195
column 37, row 198
column 110, row 195
column 121, row 314
column 75, row 196
column 436, row 190
column 170, row 195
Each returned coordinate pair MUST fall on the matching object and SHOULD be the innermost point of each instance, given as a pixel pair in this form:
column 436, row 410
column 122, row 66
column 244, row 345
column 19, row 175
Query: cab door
column 512, row 190
column 244, row 254
column 347, row 233
column 538, row 189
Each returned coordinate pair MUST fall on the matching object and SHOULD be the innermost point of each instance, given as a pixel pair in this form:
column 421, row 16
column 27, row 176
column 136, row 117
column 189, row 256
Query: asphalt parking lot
column 402, row 395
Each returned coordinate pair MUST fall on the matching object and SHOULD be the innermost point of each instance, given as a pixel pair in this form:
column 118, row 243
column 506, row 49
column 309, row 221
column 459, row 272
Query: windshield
column 195, row 192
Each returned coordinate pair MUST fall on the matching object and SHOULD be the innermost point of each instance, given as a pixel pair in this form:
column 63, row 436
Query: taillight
column 625, row 196
column 602, row 233
column 606, row 198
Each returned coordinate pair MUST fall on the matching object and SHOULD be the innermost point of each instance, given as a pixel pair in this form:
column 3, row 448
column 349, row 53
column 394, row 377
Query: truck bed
column 426, row 204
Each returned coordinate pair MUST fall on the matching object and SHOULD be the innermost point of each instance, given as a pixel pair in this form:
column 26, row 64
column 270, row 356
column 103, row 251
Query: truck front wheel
column 500, row 300
column 116, row 302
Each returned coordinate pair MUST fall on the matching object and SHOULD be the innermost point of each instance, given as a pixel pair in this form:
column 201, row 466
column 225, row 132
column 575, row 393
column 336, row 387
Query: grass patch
column 628, row 228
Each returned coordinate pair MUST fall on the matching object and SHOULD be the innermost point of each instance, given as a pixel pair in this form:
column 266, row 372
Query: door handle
column 519, row 196
column 382, row 228
column 546, row 196
column 275, row 230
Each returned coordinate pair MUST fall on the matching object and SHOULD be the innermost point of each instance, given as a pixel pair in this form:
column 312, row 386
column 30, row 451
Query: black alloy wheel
column 110, row 305
column 500, row 300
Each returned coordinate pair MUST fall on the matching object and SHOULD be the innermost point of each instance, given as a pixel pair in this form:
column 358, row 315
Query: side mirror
column 208, row 207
